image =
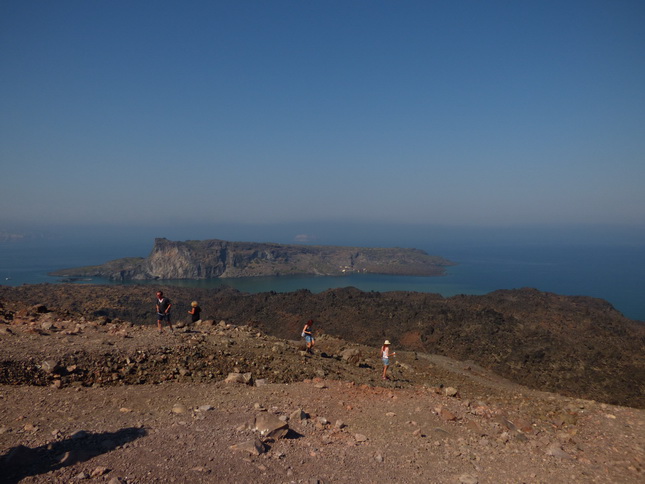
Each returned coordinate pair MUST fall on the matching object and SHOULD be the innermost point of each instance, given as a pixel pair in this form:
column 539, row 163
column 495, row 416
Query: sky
column 158, row 114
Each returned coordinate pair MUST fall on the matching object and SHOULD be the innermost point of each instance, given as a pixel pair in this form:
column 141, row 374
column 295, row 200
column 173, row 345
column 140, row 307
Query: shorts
column 386, row 361
column 163, row 317
column 309, row 339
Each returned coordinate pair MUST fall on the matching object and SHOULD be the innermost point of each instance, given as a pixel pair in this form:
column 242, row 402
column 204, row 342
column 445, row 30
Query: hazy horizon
column 351, row 234
column 203, row 117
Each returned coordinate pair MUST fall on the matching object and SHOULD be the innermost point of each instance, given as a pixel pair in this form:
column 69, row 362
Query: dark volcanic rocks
column 576, row 346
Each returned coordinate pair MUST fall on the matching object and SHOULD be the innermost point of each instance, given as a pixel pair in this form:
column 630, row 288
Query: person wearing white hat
column 385, row 357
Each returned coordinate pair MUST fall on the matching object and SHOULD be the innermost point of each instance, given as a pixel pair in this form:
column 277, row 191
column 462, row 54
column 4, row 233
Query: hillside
column 208, row 259
column 86, row 398
column 575, row 346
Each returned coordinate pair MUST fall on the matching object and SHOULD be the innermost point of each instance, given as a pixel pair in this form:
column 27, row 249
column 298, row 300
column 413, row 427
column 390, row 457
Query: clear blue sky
column 470, row 113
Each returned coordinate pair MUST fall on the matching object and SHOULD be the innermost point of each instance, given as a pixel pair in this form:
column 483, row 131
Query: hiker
column 307, row 333
column 195, row 311
column 385, row 356
column 163, row 311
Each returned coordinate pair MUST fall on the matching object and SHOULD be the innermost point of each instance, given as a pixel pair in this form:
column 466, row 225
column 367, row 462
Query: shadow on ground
column 21, row 461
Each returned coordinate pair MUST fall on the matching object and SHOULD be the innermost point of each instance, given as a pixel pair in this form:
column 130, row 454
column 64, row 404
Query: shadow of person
column 21, row 461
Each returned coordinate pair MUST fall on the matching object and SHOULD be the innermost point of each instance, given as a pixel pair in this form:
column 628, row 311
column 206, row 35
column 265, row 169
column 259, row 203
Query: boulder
column 235, row 377
column 351, row 356
column 298, row 415
column 39, row 308
column 270, row 426
column 253, row 447
column 50, row 366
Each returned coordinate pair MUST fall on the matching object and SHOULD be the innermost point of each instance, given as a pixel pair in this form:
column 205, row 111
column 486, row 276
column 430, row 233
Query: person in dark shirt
column 163, row 311
column 195, row 311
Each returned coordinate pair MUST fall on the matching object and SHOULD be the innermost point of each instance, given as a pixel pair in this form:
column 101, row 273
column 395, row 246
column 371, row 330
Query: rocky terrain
column 577, row 346
column 208, row 259
column 87, row 398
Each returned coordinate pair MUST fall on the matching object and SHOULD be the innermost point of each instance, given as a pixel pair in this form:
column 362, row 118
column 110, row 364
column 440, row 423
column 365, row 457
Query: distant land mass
column 7, row 236
column 210, row 259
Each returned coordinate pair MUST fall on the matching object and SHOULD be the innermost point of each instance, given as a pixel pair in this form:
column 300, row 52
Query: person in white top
column 385, row 356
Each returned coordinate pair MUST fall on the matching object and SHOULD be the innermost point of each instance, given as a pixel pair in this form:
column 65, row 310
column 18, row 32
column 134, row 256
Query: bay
column 611, row 272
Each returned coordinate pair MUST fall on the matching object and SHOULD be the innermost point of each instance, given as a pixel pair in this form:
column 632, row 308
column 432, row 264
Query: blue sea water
column 614, row 273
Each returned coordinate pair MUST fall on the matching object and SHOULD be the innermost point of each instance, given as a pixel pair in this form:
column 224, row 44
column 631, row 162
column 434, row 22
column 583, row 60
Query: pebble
column 555, row 450
column 446, row 414
column 99, row 471
column 179, row 408
column 450, row 392
column 468, row 479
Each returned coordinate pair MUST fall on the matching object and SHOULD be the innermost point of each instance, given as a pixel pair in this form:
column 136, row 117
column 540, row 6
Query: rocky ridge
column 98, row 399
column 208, row 259
column 577, row 346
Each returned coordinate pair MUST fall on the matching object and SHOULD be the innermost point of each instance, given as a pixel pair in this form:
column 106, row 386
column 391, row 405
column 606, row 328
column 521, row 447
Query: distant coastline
column 614, row 273
column 214, row 259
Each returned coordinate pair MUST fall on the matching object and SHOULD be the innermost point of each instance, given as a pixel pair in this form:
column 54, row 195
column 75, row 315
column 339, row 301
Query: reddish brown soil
column 436, row 420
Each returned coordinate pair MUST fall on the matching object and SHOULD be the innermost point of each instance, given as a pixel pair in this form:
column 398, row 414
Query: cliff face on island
column 208, row 259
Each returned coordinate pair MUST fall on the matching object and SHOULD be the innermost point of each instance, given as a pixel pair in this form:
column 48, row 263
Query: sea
column 615, row 273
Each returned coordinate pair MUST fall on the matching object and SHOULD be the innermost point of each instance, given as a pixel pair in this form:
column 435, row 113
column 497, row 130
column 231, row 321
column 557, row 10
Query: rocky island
column 209, row 259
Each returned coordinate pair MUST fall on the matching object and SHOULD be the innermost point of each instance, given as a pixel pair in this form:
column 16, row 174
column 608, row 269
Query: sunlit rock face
column 208, row 259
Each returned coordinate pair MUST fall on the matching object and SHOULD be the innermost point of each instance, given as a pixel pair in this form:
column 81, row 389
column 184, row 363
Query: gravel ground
column 120, row 403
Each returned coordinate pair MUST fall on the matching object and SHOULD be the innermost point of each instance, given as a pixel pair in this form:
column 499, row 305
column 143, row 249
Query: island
column 214, row 258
